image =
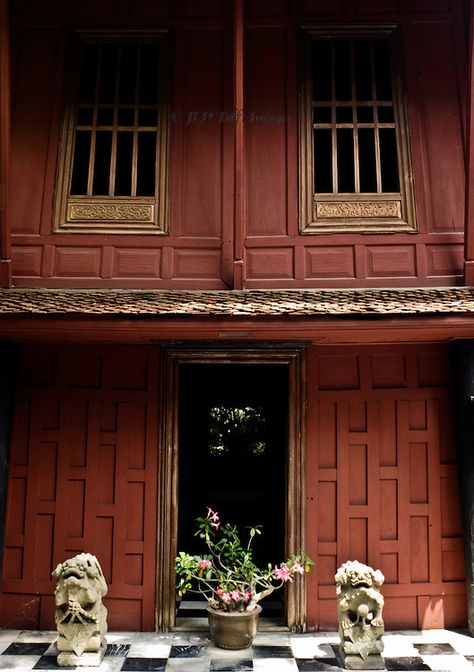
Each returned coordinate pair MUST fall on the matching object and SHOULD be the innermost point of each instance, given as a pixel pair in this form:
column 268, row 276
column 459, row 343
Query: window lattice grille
column 355, row 144
column 113, row 160
column 354, row 158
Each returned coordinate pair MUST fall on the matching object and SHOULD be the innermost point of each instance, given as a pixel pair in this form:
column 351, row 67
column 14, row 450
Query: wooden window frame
column 354, row 212
column 113, row 214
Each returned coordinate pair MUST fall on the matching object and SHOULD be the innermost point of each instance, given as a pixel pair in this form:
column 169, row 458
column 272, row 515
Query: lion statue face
column 81, row 586
column 355, row 574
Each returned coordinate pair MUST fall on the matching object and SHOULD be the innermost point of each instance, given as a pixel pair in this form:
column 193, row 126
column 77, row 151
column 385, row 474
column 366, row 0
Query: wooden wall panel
column 201, row 161
column 270, row 263
column 202, row 180
column 376, row 6
column 330, row 262
column 31, row 119
column 440, row 108
column 380, row 488
column 83, row 478
column 391, row 261
column 443, row 260
column 265, row 99
column 145, row 9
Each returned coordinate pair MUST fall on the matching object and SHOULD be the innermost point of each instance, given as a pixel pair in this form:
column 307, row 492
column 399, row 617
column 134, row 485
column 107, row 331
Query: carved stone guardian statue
column 359, row 604
column 81, row 618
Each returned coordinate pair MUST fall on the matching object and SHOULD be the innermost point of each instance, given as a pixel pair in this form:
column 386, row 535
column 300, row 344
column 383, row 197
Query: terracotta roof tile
column 250, row 303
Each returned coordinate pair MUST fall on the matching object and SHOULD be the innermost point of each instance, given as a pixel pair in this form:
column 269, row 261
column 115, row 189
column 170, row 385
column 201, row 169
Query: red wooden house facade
column 220, row 204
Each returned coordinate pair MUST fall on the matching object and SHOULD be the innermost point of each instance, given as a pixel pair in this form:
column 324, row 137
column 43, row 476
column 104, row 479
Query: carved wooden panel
column 83, row 478
column 382, row 481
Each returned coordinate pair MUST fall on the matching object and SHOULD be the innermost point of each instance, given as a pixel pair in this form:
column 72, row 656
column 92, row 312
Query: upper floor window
column 112, row 173
column 355, row 172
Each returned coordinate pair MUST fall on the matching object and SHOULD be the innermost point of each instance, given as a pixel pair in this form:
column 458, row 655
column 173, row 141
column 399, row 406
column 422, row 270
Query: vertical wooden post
column 463, row 369
column 239, row 191
column 9, row 359
column 5, row 244
column 469, row 211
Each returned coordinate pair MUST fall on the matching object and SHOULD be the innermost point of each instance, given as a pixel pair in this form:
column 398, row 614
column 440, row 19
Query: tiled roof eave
column 265, row 303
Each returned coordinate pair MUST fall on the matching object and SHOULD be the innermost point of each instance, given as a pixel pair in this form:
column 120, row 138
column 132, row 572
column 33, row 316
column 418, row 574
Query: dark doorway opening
column 233, row 447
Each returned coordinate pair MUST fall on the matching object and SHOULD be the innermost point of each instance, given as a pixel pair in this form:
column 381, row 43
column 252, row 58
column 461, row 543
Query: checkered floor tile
column 437, row 650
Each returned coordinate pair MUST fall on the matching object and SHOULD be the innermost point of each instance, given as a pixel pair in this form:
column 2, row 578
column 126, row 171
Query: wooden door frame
column 291, row 355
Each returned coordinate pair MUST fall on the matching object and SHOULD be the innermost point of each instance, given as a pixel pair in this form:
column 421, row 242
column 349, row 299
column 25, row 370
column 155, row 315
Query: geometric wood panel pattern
column 83, row 477
column 383, row 482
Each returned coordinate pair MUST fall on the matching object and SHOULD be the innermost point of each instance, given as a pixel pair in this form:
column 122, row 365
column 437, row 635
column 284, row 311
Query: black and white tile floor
column 440, row 650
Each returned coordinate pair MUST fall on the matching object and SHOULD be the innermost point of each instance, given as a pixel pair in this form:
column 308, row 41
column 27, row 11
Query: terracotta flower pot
column 233, row 629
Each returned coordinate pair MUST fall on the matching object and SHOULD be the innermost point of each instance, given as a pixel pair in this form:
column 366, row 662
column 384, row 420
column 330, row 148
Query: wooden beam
column 5, row 225
column 469, row 212
column 239, row 208
column 320, row 331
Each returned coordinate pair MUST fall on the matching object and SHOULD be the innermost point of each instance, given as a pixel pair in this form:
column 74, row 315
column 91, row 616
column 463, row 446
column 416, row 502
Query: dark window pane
column 363, row 70
column 85, row 116
column 103, row 146
column 105, row 117
column 108, row 73
column 383, row 77
column 342, row 58
column 367, row 166
column 88, row 73
column 146, row 164
column 344, row 115
column 123, row 169
column 322, row 115
column 322, row 70
column 147, row 117
column 323, row 161
column 389, row 160
column 126, row 117
column 80, row 163
column 365, row 115
column 386, row 115
column 128, row 73
column 345, row 160
column 148, row 88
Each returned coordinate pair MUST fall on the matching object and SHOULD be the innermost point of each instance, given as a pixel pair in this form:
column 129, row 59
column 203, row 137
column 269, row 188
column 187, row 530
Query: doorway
column 232, row 448
column 264, row 384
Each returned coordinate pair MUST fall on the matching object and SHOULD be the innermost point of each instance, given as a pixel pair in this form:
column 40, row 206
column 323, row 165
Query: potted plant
column 230, row 581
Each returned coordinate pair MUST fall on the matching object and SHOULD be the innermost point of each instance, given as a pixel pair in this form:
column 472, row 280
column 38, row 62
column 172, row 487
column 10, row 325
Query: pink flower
column 219, row 591
column 204, row 564
column 247, row 596
column 298, row 568
column 225, row 597
column 214, row 517
column 235, row 595
column 283, row 573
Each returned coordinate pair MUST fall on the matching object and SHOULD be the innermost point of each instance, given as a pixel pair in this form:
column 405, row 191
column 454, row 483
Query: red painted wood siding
column 198, row 252
column 382, row 482
column 83, row 477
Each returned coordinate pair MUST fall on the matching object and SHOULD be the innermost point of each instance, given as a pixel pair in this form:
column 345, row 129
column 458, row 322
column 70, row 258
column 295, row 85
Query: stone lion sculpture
column 359, row 605
column 81, row 617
